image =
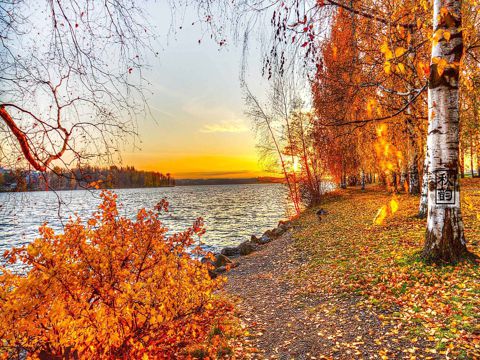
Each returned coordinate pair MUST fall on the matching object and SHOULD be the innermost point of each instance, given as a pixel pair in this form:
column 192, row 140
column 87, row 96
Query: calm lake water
column 231, row 212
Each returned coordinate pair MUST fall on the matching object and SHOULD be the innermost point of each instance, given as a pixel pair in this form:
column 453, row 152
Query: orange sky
column 196, row 127
column 198, row 166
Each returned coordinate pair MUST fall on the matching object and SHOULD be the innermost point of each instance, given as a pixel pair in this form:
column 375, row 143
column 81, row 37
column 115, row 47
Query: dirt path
column 287, row 323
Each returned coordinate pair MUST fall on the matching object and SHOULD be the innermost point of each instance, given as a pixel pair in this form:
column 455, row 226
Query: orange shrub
column 113, row 288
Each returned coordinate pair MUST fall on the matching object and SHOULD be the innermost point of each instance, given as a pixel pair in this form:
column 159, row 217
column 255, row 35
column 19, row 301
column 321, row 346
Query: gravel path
column 285, row 322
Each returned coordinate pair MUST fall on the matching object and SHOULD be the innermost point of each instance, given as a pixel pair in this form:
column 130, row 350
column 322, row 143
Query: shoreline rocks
column 230, row 251
column 247, row 247
column 222, row 261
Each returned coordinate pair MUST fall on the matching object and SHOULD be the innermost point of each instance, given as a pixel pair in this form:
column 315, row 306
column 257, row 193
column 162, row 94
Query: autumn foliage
column 111, row 288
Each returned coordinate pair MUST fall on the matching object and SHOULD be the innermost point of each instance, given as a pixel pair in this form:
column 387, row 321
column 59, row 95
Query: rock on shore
column 223, row 262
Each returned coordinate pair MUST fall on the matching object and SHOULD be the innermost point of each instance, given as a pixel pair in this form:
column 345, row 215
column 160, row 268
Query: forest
column 82, row 178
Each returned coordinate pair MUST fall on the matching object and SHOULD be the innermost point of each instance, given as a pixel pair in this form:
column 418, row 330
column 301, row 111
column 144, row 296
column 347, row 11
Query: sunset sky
column 199, row 129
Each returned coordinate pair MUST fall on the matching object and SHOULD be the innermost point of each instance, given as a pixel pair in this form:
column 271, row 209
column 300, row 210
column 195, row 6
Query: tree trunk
column 343, row 182
column 413, row 180
column 462, row 164
column 413, row 185
column 444, row 241
column 403, row 179
column 363, row 180
column 422, row 210
column 394, row 182
column 472, row 171
column 478, row 158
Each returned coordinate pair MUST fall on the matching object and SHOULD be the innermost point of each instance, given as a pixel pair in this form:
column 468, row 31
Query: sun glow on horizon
column 183, row 166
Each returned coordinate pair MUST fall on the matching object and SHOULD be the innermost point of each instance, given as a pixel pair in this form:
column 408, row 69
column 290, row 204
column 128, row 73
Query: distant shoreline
column 227, row 181
column 179, row 183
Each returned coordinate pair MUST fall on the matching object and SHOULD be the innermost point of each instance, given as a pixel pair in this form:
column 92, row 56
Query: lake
column 231, row 212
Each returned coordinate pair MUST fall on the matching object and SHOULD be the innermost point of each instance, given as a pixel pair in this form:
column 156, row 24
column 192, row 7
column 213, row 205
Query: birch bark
column 444, row 241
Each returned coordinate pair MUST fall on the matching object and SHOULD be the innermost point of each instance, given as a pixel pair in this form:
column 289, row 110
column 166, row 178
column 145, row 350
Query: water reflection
column 231, row 212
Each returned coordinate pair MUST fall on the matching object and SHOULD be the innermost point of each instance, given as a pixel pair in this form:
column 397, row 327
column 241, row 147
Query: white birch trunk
column 445, row 241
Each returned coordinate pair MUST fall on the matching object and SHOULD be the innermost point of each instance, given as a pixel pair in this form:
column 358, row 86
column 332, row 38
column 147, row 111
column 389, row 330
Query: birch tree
column 445, row 240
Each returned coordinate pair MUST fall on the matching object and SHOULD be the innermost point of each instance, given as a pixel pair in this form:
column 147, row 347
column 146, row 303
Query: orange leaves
column 415, row 300
column 423, row 69
column 334, row 51
column 112, row 288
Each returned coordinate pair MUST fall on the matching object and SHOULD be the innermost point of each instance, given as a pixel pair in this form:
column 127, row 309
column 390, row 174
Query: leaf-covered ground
column 344, row 288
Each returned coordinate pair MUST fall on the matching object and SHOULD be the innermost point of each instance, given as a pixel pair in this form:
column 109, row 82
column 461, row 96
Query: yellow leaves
column 437, row 36
column 373, row 106
column 384, row 48
column 387, row 67
column 439, row 303
column 381, row 215
column 386, row 210
column 390, row 55
column 468, row 201
column 32, row 250
column 399, row 51
column 446, row 17
column 442, row 64
column 393, row 205
column 388, row 156
column 381, row 130
column 386, row 51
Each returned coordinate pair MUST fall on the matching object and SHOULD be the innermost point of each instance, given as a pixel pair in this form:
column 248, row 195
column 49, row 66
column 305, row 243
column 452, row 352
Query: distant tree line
column 81, row 178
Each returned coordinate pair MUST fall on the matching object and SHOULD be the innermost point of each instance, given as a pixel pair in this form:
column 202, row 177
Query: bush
column 111, row 288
